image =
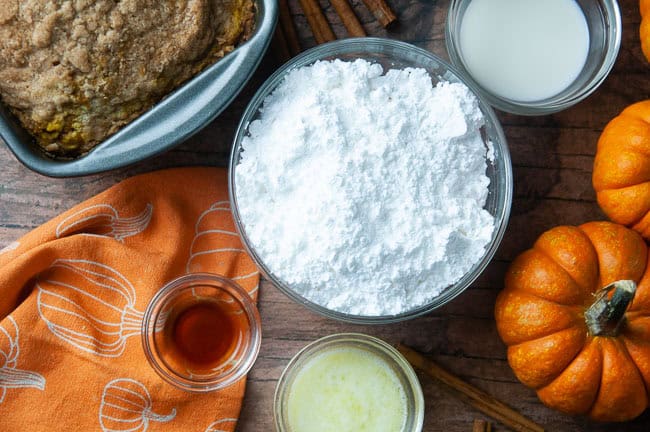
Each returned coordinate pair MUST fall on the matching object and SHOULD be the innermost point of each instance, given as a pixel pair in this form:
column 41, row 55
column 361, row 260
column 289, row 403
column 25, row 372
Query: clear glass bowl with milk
column 534, row 57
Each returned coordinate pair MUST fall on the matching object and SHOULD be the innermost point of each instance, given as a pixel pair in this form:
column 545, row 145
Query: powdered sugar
column 364, row 192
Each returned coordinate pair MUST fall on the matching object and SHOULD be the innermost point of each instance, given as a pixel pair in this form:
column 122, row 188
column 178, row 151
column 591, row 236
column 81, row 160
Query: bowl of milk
column 531, row 57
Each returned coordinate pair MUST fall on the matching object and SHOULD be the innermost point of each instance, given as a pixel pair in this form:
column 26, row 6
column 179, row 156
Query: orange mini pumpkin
column 644, row 30
column 575, row 315
column 621, row 175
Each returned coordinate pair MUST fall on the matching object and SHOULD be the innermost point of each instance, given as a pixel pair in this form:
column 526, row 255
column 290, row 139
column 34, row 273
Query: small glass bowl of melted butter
column 348, row 382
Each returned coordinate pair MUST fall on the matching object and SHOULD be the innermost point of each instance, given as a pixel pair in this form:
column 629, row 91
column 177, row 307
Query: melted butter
column 346, row 389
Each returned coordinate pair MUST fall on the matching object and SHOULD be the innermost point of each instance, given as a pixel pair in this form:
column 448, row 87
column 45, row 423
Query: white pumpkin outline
column 10, row 247
column 130, row 318
column 212, row 426
column 144, row 409
column 217, row 206
column 10, row 376
column 120, row 227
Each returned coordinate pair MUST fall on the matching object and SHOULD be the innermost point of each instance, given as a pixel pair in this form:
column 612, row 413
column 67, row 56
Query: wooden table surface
column 552, row 157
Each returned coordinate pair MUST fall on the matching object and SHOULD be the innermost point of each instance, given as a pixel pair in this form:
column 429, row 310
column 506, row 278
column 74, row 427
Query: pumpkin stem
column 15, row 378
column 606, row 315
column 159, row 417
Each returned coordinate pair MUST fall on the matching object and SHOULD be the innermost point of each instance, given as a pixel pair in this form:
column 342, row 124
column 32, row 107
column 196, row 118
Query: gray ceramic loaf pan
column 174, row 119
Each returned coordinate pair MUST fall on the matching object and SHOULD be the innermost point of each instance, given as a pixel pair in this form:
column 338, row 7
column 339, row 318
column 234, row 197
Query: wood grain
column 470, row 394
column 481, row 426
column 552, row 158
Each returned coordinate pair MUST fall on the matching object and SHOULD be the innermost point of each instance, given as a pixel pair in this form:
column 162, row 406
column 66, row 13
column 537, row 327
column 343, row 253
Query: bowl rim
column 372, row 343
column 502, row 216
column 172, row 120
column 534, row 108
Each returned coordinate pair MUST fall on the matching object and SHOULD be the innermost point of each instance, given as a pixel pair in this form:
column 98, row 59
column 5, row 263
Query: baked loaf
column 75, row 71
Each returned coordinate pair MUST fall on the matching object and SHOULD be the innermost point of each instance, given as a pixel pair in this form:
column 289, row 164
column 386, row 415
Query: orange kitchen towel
column 72, row 295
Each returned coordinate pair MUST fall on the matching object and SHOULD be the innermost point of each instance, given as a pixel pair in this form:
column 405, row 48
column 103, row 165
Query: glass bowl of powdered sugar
column 369, row 181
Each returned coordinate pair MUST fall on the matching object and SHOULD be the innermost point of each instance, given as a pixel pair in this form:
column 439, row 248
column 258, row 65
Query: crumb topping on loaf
column 75, row 71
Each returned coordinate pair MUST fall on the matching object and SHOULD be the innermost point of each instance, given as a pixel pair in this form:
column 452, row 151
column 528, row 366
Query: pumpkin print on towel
column 104, row 220
column 77, row 287
column 215, row 240
column 10, row 376
column 126, row 406
column 89, row 305
column 11, row 246
column 223, row 425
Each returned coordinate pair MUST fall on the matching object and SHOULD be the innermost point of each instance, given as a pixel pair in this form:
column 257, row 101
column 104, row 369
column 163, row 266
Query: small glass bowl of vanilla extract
column 201, row 332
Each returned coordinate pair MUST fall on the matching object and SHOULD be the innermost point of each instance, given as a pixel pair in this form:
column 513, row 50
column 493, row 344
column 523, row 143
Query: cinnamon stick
column 349, row 19
column 470, row 394
column 381, row 11
column 288, row 29
column 482, row 426
column 316, row 19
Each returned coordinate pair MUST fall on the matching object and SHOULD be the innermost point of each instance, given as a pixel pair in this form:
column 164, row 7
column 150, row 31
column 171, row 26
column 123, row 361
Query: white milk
column 525, row 50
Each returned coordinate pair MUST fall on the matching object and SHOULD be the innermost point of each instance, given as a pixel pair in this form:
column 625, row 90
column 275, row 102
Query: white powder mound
column 364, row 192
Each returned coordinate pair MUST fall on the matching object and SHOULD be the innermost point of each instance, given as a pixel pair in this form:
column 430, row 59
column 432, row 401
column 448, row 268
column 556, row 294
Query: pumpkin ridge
column 565, row 271
column 633, row 336
column 556, row 398
column 632, row 358
column 594, row 291
column 538, row 297
column 545, row 371
column 570, row 325
column 618, row 399
column 610, row 190
column 630, row 162
column 592, row 339
column 625, row 238
column 507, row 320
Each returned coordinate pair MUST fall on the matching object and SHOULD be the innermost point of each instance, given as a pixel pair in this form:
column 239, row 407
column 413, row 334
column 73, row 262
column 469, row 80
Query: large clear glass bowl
column 604, row 22
column 390, row 54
